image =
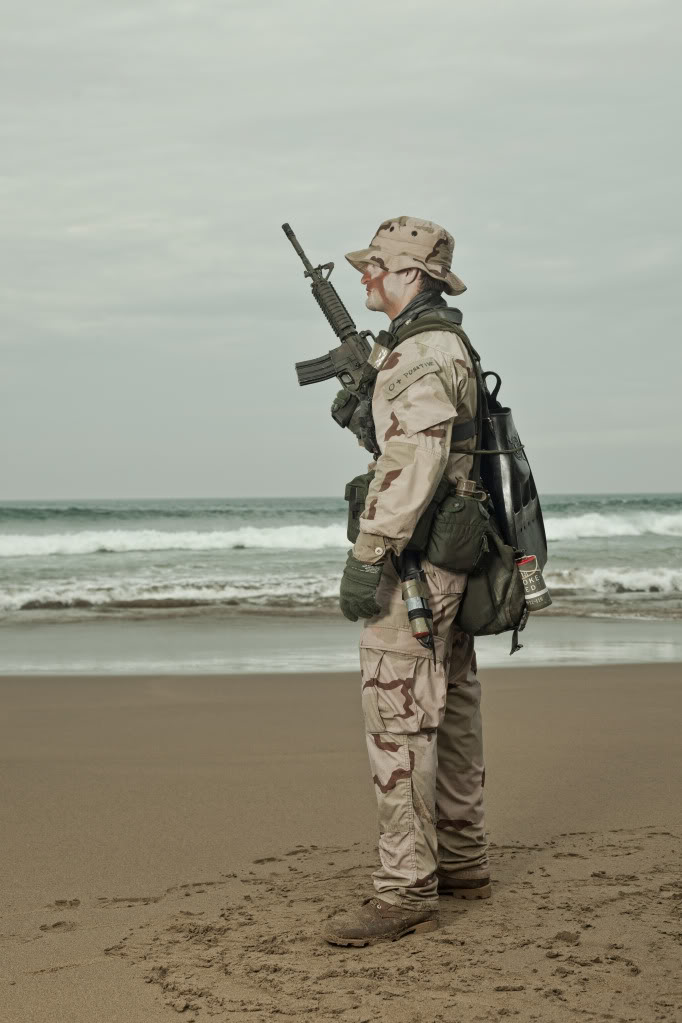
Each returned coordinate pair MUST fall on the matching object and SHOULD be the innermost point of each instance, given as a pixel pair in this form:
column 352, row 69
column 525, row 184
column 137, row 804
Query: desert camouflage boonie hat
column 406, row 242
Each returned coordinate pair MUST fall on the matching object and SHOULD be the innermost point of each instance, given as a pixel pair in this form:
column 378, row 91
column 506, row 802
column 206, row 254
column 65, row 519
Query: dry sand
column 169, row 847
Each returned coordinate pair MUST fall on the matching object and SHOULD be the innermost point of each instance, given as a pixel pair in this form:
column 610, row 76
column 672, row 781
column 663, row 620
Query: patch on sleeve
column 398, row 381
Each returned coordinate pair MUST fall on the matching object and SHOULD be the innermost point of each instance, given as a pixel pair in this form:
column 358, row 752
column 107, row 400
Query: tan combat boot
column 465, row 884
column 375, row 920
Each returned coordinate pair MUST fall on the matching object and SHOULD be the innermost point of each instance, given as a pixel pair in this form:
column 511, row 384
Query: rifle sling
column 464, row 430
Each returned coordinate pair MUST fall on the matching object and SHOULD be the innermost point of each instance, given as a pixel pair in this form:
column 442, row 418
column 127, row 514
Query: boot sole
column 423, row 927
column 484, row 892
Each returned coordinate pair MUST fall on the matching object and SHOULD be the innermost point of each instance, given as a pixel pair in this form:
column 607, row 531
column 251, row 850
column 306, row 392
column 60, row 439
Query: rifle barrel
column 297, row 245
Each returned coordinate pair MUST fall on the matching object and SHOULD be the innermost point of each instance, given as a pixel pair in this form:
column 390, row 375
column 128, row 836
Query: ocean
column 196, row 562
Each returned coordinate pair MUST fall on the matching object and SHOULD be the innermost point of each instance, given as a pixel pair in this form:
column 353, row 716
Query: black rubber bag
column 509, row 481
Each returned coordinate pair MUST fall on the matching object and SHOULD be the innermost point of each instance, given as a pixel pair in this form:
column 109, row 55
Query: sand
column 170, row 845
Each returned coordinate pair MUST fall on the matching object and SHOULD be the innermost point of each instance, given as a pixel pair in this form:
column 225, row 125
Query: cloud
column 156, row 147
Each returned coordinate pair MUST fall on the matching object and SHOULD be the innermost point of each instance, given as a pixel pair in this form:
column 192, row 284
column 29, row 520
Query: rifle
column 348, row 361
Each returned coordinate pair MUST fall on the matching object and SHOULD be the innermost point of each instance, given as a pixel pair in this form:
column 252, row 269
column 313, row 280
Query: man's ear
column 410, row 275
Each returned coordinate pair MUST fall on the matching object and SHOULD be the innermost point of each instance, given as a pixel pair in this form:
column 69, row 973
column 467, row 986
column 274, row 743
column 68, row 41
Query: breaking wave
column 596, row 524
column 118, row 541
column 305, row 591
column 302, row 537
column 615, row 580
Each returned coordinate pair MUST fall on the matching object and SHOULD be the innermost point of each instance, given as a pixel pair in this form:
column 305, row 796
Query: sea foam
column 616, row 580
column 303, row 537
column 302, row 590
column 596, row 524
column 118, row 541
column 307, row 590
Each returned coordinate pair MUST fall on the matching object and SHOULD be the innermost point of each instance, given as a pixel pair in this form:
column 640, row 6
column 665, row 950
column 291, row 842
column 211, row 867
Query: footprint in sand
column 64, row 904
column 60, row 925
column 197, row 885
column 143, row 900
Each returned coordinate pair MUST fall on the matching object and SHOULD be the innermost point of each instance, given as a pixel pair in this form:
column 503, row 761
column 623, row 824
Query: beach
column 171, row 845
column 186, row 802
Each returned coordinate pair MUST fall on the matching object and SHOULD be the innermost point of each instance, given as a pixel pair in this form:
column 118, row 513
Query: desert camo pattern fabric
column 427, row 384
column 403, row 242
column 425, row 744
column 422, row 721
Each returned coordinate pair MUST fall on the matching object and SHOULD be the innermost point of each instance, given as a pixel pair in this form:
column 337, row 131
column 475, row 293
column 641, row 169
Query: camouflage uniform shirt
column 425, row 386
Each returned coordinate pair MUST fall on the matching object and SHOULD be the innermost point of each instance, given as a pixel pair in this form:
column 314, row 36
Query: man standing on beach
column 422, row 719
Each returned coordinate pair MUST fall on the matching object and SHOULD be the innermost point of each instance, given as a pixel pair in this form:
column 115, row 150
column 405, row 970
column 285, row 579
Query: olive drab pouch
column 458, row 538
column 494, row 600
column 422, row 531
column 356, row 495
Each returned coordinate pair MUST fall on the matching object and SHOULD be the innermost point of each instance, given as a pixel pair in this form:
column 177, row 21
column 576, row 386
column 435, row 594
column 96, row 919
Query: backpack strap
column 481, row 410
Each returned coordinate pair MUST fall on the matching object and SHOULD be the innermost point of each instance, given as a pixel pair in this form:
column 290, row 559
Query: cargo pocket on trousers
column 388, row 690
column 371, row 666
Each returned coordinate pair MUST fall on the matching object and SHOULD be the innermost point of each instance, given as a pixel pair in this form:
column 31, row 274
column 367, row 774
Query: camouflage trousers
column 425, row 743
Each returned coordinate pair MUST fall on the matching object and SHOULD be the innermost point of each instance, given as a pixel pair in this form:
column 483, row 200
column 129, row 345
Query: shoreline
column 214, row 645
column 607, row 606
column 282, row 677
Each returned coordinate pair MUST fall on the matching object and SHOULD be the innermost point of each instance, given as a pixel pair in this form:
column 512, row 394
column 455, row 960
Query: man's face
column 384, row 289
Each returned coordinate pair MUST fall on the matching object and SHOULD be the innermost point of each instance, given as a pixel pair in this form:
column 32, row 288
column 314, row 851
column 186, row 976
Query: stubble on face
column 384, row 289
column 373, row 279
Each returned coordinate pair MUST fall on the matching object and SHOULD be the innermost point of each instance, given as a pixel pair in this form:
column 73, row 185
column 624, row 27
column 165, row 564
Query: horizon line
column 316, row 497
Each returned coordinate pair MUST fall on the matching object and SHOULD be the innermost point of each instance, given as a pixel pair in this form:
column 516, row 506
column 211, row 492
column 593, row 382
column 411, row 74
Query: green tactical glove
column 355, row 416
column 358, row 588
column 343, row 407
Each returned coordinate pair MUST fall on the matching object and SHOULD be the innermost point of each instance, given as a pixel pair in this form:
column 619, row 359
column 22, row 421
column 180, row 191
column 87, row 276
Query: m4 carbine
column 347, row 362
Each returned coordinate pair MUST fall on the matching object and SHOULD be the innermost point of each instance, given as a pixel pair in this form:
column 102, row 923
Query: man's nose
column 366, row 277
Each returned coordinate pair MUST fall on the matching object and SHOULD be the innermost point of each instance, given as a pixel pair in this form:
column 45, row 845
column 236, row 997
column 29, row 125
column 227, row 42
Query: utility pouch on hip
column 419, row 540
column 458, row 537
column 356, row 495
column 494, row 600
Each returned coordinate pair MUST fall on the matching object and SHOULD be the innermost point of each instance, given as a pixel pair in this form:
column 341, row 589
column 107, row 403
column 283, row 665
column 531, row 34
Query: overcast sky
column 152, row 309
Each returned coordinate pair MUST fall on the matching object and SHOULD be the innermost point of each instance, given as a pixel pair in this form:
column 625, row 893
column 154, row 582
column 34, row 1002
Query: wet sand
column 227, row 642
column 170, row 845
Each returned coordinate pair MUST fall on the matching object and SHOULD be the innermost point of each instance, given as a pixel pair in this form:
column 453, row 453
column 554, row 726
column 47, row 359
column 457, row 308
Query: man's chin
column 376, row 306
